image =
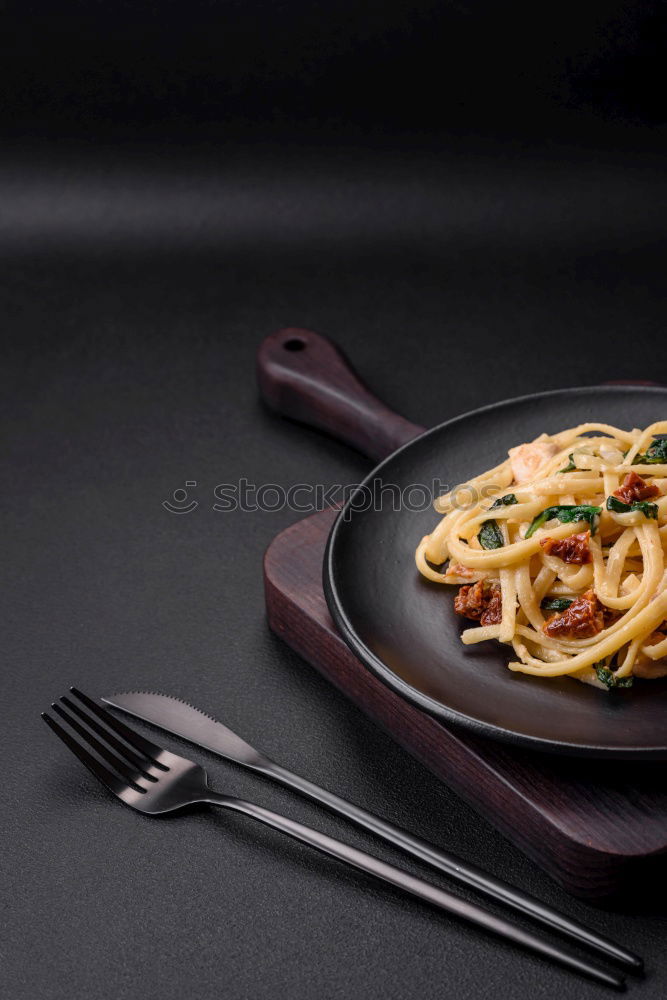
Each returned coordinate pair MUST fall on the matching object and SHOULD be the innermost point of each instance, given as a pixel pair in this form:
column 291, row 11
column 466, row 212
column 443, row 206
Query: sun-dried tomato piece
column 479, row 603
column 456, row 569
column 493, row 613
column 573, row 549
column 584, row 618
column 469, row 601
column 635, row 488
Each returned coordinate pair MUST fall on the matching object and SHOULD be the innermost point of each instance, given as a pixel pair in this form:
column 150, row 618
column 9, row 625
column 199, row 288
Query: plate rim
column 426, row 702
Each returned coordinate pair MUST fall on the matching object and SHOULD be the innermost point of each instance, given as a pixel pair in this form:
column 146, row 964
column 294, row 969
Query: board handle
column 304, row 376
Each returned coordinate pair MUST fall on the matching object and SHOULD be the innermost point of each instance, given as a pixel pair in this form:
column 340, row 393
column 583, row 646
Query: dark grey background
column 472, row 205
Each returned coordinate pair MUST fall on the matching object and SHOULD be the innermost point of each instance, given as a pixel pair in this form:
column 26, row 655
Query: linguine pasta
column 559, row 552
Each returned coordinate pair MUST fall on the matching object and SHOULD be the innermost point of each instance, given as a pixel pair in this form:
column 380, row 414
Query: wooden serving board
column 589, row 824
column 593, row 825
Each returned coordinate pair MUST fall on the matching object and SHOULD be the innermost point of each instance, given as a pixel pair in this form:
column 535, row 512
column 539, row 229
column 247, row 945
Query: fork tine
column 131, row 776
column 140, row 763
column 99, row 770
column 144, row 746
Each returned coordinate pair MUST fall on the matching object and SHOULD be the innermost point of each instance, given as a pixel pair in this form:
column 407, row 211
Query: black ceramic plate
column 404, row 628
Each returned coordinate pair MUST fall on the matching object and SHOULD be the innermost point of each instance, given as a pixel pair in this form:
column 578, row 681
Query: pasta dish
column 559, row 552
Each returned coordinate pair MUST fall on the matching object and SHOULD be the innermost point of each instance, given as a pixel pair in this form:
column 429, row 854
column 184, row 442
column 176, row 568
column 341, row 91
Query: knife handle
column 462, row 872
column 444, row 900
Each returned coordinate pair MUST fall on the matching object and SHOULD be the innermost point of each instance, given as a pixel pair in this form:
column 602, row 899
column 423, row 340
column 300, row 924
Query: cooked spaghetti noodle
column 560, row 553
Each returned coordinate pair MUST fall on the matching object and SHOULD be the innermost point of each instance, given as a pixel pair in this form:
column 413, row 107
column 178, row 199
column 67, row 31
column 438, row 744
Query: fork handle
column 453, row 866
column 446, row 901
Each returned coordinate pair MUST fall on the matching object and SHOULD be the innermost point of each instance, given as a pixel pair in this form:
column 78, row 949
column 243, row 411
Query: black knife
column 182, row 719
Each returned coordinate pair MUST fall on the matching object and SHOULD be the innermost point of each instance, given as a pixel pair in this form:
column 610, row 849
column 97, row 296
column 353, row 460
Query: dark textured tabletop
column 137, row 280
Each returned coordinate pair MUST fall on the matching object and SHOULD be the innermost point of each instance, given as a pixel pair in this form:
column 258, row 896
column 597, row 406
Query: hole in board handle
column 294, row 344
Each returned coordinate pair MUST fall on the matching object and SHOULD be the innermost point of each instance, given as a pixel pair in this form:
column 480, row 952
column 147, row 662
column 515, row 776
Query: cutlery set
column 155, row 781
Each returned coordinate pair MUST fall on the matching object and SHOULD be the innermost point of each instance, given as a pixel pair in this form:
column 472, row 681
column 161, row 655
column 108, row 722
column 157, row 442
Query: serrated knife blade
column 182, row 719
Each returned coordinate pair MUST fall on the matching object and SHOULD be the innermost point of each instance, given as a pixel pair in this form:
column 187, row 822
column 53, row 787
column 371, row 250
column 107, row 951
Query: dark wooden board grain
column 593, row 826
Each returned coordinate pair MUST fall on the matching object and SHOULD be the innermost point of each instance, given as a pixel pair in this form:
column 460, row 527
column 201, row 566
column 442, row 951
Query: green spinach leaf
column 490, row 536
column 656, row 454
column 556, row 603
column 505, row 501
column 567, row 513
column 571, row 467
column 609, row 678
column 649, row 510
